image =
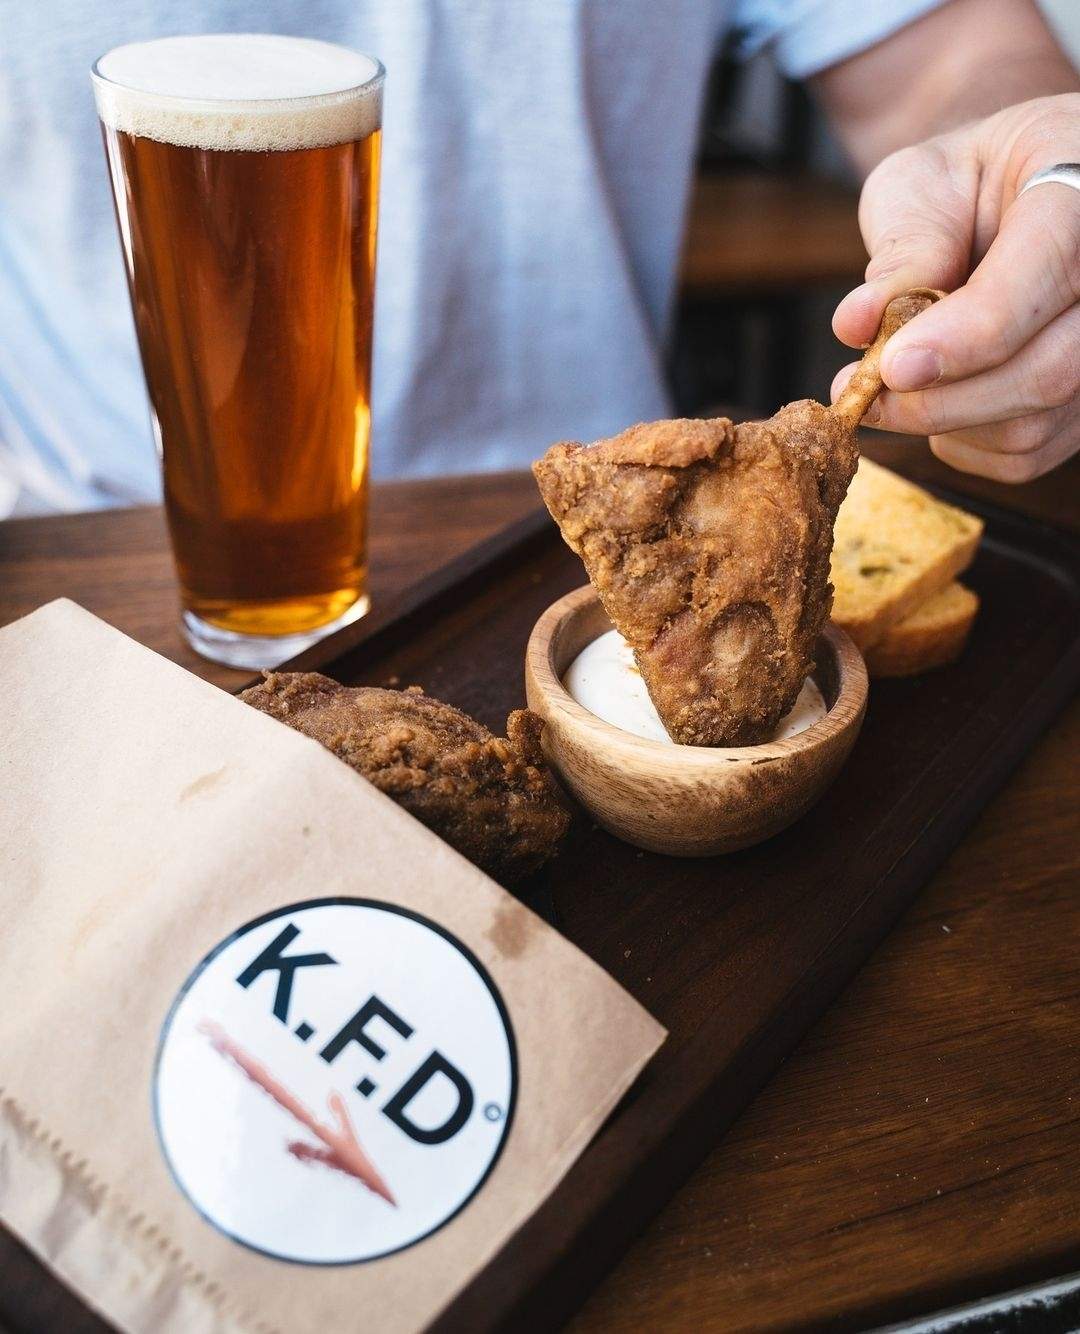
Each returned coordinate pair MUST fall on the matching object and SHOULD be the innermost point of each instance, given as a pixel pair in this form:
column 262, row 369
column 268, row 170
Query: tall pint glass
column 245, row 172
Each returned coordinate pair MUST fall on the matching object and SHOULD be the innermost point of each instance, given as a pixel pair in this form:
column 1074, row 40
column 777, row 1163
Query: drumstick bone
column 866, row 383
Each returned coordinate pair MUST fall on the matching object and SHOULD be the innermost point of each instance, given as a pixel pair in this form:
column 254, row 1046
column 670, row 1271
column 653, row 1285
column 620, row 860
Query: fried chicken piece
column 490, row 798
column 709, row 546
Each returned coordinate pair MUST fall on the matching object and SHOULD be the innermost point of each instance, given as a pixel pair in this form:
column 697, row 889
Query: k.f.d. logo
column 335, row 1081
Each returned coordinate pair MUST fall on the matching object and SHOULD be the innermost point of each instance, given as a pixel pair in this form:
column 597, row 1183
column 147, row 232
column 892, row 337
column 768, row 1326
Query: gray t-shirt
column 536, row 163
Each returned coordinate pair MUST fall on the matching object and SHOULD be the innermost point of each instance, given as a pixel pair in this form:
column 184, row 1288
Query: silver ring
column 1064, row 173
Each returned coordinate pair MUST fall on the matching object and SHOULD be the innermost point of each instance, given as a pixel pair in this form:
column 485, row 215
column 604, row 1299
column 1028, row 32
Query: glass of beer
column 245, row 172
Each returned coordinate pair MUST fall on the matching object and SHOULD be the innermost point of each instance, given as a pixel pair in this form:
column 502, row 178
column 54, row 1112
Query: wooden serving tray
column 736, row 955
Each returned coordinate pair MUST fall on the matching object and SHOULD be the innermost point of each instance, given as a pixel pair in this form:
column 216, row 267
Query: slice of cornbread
column 935, row 633
column 895, row 546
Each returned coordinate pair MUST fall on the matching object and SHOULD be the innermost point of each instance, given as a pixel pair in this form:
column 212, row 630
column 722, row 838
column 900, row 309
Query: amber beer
column 245, row 172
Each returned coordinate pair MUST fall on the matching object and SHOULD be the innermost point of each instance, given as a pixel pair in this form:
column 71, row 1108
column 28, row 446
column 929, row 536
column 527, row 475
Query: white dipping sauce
column 604, row 679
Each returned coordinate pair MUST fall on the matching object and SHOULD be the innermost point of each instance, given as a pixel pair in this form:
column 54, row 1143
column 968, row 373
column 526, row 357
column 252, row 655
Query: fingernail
column 872, row 415
column 856, row 294
column 914, row 368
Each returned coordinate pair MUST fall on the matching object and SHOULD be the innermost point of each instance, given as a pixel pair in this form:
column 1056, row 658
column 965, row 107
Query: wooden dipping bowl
column 687, row 801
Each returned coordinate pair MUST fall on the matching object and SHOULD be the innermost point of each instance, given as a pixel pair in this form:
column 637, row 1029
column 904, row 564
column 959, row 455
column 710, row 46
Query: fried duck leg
column 709, row 543
column 490, row 797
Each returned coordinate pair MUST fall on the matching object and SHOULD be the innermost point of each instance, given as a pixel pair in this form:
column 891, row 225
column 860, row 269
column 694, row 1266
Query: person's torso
column 537, row 156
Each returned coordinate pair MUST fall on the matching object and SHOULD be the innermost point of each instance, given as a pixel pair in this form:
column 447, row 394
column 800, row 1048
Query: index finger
column 1028, row 277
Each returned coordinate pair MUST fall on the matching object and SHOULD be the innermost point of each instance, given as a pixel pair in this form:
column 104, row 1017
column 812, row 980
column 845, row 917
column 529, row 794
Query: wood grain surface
column 756, row 231
column 922, row 1145
column 117, row 563
column 924, row 1141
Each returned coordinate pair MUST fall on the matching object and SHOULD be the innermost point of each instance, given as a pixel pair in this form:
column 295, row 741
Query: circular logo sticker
column 335, row 1081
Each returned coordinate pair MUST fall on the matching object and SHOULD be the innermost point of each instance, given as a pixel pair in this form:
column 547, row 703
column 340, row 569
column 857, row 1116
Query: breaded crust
column 489, row 797
column 708, row 544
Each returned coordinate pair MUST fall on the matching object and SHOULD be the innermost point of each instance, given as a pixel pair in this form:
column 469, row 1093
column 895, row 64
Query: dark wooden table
column 755, row 231
column 922, row 1146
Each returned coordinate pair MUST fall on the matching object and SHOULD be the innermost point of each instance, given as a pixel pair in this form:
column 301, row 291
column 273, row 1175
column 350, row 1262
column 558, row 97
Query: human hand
column 991, row 373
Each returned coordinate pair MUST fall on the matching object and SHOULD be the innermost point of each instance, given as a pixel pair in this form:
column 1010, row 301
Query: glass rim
column 368, row 85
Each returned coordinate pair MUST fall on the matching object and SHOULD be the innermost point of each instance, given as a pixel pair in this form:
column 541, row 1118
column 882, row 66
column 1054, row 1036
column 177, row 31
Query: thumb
column 917, row 215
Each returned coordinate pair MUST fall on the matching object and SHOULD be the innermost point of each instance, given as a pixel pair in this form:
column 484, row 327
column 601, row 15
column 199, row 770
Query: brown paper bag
column 273, row 1056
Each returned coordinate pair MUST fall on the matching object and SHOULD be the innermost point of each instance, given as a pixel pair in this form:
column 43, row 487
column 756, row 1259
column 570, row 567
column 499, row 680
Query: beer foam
column 250, row 92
